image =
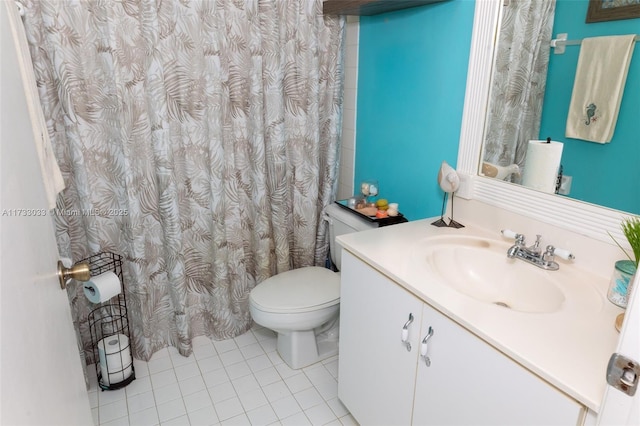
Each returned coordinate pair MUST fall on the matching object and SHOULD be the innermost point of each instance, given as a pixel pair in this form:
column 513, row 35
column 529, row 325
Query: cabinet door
column 376, row 372
column 470, row 382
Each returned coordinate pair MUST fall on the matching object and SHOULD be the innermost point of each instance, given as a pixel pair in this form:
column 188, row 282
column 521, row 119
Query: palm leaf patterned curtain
column 519, row 81
column 198, row 139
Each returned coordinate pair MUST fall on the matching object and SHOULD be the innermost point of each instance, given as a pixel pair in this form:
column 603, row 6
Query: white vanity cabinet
column 468, row 381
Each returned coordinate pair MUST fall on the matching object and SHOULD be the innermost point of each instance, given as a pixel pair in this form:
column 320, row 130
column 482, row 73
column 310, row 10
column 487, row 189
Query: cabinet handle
column 424, row 347
column 405, row 333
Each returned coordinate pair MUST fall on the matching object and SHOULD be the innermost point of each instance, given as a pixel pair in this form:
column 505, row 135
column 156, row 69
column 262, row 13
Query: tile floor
column 242, row 381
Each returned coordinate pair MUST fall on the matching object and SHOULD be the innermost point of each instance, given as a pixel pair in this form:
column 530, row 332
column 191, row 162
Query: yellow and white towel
column 602, row 70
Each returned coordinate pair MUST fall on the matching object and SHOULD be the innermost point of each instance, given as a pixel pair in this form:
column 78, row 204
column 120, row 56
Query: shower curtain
column 519, row 81
column 199, row 140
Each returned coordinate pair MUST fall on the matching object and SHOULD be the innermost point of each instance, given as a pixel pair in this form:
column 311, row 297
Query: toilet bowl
column 302, row 305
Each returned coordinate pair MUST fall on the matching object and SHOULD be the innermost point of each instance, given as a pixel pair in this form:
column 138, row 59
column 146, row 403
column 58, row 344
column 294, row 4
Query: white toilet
column 302, row 305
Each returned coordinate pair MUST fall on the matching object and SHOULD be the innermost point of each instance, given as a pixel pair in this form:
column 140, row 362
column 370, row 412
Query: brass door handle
column 79, row 272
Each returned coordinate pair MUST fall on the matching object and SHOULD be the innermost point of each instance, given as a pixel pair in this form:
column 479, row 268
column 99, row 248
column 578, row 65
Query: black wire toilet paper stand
column 109, row 329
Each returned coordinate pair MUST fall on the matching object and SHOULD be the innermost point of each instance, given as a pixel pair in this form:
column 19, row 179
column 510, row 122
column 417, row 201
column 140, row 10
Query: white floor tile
column 210, row 364
column 171, row 410
column 245, row 339
column 245, row 384
column 122, row 421
column 163, row 378
column 238, row 370
column 328, row 389
column 223, row 382
column 259, row 362
column 348, row 420
column 159, row 364
column 112, row 411
column 320, row 414
column 197, row 401
column 296, row 420
column 286, row 407
column 252, row 350
column 298, row 383
column 337, row 407
column 239, row 420
column 222, row 392
column 308, row 398
column 275, row 358
column 187, row 371
column 167, row 393
column 179, row 421
column 253, row 399
column 276, row 391
column 224, row 345
column 203, row 417
column 231, row 357
column 111, row 396
column 141, row 402
column 228, row 408
column 96, row 416
column 93, row 399
column 148, row 417
column 262, row 416
column 192, row 385
column 141, row 367
column 215, row 377
column 139, row 385
column 267, row 376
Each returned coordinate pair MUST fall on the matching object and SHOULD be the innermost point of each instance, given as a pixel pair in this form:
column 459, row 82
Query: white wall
column 348, row 146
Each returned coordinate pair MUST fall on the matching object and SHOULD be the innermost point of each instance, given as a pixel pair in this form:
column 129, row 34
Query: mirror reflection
column 530, row 96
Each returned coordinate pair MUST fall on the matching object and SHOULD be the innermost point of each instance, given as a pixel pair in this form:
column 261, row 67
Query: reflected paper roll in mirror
column 541, row 165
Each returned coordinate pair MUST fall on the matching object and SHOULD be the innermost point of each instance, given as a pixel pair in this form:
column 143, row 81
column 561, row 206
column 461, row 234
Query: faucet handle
column 553, row 251
column 508, row 233
column 564, row 253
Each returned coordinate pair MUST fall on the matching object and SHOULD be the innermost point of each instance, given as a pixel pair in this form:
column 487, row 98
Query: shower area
column 199, row 140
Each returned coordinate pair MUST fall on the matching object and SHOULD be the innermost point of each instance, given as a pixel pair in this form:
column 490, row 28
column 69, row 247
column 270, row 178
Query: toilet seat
column 298, row 290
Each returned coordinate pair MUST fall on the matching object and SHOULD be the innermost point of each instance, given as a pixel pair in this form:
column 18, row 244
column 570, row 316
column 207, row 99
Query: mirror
column 585, row 218
column 602, row 174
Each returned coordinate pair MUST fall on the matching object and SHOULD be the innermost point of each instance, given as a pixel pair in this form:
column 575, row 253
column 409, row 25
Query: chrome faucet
column 534, row 254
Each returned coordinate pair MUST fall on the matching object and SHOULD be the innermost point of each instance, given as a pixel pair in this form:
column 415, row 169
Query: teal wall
column 412, row 74
column 592, row 164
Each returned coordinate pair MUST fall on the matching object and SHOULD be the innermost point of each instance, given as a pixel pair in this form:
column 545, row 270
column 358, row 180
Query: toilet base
column 309, row 347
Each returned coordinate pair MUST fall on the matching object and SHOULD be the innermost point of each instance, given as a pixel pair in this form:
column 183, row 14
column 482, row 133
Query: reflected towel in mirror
column 602, row 70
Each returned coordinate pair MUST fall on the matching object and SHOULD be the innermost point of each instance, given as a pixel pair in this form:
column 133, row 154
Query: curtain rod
column 558, row 44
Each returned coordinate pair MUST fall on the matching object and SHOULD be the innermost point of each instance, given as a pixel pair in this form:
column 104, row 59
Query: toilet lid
column 297, row 290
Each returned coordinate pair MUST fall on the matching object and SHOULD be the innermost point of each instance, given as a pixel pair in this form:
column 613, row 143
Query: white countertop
column 569, row 348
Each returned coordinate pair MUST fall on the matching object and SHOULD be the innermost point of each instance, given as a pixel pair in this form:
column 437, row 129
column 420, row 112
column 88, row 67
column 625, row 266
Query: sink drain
column 504, row 305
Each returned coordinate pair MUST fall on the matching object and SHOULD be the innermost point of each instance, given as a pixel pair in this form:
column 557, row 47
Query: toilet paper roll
column 115, row 358
column 102, row 287
column 542, row 164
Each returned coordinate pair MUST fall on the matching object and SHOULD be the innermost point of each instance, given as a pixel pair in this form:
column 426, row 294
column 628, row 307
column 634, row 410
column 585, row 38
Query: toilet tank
column 342, row 222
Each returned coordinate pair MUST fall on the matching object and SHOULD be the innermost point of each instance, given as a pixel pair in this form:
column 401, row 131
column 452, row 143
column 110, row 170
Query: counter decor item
column 621, row 284
column 449, row 182
column 370, row 189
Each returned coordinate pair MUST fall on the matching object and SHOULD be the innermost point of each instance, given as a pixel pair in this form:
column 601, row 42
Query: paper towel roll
column 102, row 287
column 115, row 358
column 542, row 164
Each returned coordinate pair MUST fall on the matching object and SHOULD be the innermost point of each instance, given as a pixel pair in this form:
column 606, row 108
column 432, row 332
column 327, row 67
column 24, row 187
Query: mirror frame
column 577, row 216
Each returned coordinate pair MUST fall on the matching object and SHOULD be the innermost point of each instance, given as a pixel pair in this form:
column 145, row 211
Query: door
column 376, row 371
column 617, row 407
column 42, row 380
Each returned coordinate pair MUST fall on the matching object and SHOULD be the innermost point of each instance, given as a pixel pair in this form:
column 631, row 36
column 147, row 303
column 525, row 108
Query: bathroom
column 416, row 108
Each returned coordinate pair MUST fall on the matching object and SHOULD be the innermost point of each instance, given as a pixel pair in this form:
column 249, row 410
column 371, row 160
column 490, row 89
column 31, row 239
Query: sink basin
column 479, row 268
